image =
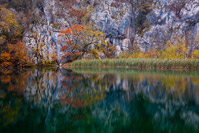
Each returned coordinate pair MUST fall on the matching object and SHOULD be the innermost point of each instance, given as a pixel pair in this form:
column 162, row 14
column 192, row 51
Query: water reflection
column 95, row 100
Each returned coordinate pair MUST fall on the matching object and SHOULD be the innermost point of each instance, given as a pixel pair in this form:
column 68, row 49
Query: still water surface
column 98, row 100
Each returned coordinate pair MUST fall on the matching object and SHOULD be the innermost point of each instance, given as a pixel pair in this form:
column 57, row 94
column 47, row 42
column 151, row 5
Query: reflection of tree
column 79, row 91
column 60, row 100
column 16, row 81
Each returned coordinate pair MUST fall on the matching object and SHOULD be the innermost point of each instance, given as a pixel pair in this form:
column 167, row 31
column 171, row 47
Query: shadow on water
column 99, row 100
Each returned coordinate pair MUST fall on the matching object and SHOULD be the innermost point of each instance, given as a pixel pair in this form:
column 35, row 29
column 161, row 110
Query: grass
column 129, row 71
column 188, row 64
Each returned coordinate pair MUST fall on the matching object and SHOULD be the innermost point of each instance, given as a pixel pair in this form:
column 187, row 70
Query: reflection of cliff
column 61, row 100
column 41, row 86
column 114, row 95
column 49, row 85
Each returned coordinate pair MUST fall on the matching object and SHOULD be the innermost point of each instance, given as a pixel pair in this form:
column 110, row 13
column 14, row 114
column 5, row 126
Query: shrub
column 195, row 54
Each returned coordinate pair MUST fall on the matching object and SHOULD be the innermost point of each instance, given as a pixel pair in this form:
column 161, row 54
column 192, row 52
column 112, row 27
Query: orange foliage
column 65, row 32
column 67, row 54
column 78, row 27
column 15, row 82
column 83, row 40
column 59, row 35
column 5, row 56
column 15, row 55
column 69, row 46
column 68, row 41
column 5, row 79
column 65, row 47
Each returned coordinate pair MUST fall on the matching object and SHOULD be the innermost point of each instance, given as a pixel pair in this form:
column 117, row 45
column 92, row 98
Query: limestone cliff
column 124, row 22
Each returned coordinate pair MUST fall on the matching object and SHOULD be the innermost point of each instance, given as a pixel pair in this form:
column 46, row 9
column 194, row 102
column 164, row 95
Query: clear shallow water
column 99, row 100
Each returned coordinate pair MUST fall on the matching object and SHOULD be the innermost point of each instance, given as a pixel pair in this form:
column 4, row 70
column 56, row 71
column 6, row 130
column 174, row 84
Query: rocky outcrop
column 122, row 21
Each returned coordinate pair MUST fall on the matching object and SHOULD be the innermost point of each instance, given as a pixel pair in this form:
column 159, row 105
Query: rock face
column 123, row 23
column 116, row 20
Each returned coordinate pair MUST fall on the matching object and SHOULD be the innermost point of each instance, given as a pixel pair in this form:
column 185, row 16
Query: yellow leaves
column 134, row 55
column 141, row 55
column 95, row 53
column 169, row 53
column 175, row 51
column 195, row 54
column 9, row 25
column 181, row 50
column 195, row 81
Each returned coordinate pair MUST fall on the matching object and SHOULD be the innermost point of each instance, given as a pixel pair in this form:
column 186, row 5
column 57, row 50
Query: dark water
column 99, row 100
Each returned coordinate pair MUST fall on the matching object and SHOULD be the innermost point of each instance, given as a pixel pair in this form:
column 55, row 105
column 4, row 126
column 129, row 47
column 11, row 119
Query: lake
column 98, row 100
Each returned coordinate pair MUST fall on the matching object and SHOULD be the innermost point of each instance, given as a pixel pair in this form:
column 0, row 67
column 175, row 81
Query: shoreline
column 149, row 64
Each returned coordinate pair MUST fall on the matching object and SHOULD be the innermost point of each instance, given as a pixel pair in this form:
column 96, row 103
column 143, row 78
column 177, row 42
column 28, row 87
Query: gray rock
column 118, row 23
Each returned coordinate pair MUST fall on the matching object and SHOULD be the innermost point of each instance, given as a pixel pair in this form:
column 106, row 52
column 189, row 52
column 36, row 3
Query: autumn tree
column 194, row 49
column 10, row 30
column 14, row 56
column 13, row 51
column 195, row 54
column 177, row 50
column 80, row 41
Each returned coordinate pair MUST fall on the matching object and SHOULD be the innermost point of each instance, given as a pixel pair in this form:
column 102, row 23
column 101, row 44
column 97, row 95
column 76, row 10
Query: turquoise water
column 98, row 100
